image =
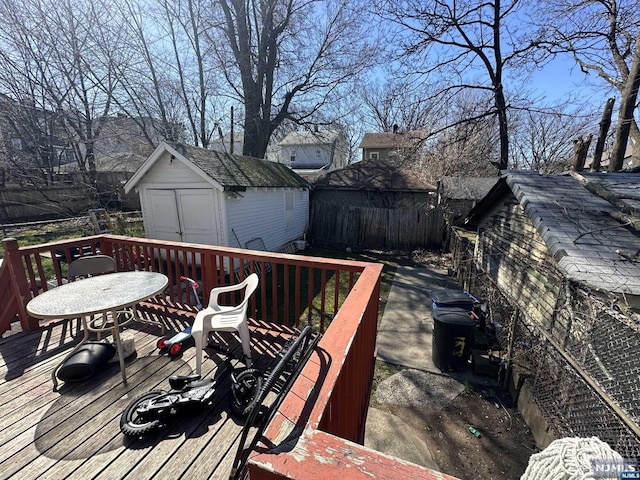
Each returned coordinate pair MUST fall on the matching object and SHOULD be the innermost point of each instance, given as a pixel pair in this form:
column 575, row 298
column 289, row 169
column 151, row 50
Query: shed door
column 196, row 208
column 185, row 215
column 164, row 221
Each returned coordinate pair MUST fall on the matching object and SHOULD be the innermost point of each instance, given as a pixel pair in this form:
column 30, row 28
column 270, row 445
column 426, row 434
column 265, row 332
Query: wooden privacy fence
column 28, row 203
column 345, row 225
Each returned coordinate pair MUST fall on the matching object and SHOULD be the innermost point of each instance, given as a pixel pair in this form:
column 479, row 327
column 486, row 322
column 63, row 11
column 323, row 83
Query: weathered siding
column 261, row 213
column 346, row 225
column 578, row 378
column 376, row 199
column 574, row 349
column 510, row 250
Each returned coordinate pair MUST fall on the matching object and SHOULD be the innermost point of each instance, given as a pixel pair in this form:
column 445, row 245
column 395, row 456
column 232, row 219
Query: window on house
column 16, row 143
column 289, row 210
column 373, row 155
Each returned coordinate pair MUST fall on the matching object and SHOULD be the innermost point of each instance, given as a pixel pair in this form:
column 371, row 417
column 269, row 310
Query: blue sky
column 561, row 78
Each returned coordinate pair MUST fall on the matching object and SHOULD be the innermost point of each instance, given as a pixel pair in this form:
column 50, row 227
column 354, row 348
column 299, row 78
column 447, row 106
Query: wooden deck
column 74, row 433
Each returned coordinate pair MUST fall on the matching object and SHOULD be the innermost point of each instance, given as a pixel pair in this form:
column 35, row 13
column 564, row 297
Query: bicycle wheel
column 243, row 394
column 133, row 424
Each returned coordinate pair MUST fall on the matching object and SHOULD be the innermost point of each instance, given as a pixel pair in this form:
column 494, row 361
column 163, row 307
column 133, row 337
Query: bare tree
column 625, row 113
column 601, row 35
column 59, row 54
column 173, row 80
column 472, row 42
column 542, row 139
column 603, row 131
column 400, row 104
column 467, row 142
column 286, row 59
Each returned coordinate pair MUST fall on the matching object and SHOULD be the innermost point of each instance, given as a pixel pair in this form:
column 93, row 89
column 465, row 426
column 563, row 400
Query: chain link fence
column 584, row 374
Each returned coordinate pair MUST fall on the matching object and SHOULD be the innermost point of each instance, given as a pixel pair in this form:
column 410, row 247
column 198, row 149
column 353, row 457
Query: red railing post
column 18, row 283
column 106, row 247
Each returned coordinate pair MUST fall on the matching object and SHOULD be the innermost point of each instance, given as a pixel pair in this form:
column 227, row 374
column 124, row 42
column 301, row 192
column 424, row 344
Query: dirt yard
column 505, row 444
column 500, row 453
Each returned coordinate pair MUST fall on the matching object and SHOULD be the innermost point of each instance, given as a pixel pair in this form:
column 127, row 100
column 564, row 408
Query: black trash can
column 452, row 330
column 448, row 298
column 86, row 362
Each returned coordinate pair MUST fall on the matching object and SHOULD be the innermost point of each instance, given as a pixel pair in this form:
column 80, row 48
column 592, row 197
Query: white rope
column 571, row 459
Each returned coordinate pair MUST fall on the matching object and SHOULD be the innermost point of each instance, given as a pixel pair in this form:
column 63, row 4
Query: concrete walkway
column 404, row 339
column 404, row 335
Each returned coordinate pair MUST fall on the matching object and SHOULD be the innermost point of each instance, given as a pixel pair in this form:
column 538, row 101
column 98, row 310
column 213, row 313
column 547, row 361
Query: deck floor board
column 74, row 433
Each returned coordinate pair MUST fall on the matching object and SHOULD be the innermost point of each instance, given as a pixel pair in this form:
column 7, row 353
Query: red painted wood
column 328, row 402
column 317, row 454
column 18, row 286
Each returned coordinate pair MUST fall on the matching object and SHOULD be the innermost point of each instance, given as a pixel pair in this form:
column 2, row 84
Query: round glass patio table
column 106, row 294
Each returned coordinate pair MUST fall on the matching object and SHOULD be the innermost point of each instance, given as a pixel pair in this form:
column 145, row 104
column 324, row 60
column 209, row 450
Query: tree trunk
column 634, row 136
column 625, row 113
column 496, row 78
column 501, row 107
column 255, row 134
column 605, row 123
column 580, row 149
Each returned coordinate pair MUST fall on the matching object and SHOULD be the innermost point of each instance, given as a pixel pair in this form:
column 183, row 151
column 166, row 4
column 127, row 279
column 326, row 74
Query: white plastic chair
column 222, row 318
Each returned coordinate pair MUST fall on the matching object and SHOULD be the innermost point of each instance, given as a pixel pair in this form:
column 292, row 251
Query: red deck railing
column 279, row 300
column 328, row 402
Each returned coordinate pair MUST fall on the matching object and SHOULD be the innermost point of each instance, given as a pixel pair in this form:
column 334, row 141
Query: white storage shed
column 194, row 195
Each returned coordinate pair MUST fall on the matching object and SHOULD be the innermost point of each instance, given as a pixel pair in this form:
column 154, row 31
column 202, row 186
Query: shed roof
column 373, row 174
column 466, row 188
column 582, row 229
column 324, row 137
column 231, row 172
column 392, row 140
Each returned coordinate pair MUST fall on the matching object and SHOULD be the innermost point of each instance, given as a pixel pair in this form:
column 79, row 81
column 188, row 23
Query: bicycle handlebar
column 190, row 280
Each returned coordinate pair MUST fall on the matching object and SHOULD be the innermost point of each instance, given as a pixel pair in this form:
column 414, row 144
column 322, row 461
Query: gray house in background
column 310, row 153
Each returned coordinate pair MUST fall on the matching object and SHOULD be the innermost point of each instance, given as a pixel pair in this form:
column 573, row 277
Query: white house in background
column 308, row 153
column 195, row 195
column 224, row 145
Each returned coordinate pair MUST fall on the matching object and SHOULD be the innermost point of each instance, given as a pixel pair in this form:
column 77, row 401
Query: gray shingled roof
column 239, row 171
column 467, row 188
column 589, row 245
column 392, row 140
column 373, row 174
